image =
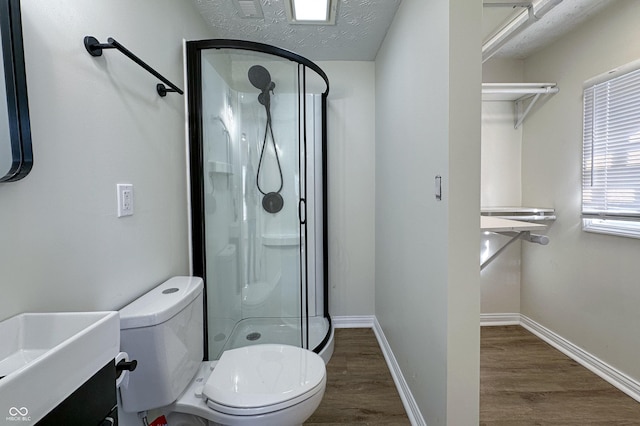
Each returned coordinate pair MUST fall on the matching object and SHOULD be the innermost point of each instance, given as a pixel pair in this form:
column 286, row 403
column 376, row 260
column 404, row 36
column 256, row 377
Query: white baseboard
column 370, row 321
column 410, row 405
column 612, row 375
column 499, row 319
column 355, row 321
column 617, row 378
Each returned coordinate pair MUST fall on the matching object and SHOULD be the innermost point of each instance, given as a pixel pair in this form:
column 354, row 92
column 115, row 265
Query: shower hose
column 268, row 130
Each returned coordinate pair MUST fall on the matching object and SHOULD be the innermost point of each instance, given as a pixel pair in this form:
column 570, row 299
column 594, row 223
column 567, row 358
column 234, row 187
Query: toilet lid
column 263, row 375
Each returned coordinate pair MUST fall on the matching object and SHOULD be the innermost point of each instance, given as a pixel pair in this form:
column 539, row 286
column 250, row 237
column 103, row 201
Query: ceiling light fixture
column 314, row 12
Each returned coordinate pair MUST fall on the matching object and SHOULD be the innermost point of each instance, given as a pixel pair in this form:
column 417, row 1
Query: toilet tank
column 163, row 331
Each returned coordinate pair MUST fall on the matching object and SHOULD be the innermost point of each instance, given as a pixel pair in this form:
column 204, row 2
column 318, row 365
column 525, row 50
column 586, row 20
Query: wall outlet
column 125, row 199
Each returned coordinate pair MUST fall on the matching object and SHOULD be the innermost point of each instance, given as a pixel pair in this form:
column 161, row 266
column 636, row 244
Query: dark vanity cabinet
column 93, row 403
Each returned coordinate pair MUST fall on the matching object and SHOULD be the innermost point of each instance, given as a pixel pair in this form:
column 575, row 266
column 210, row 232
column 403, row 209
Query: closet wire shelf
column 517, row 223
column 524, row 95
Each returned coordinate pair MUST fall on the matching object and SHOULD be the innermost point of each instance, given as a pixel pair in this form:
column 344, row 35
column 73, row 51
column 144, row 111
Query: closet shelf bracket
column 95, row 48
column 514, row 229
column 524, row 95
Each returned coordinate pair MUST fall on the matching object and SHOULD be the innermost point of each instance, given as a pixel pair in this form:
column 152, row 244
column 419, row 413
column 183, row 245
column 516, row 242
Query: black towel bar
column 94, row 47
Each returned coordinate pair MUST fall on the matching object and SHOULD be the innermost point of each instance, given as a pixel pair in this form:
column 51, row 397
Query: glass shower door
column 253, row 183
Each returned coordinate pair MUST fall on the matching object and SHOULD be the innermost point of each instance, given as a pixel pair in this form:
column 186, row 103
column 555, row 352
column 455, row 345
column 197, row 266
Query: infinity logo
column 22, row 411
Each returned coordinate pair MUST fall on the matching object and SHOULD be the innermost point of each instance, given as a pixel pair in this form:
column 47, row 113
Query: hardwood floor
column 525, row 381
column 360, row 389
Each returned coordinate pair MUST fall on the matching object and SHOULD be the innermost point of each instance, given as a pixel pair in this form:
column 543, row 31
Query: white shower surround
column 246, row 284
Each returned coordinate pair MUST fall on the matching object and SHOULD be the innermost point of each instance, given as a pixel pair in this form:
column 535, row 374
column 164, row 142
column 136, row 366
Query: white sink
column 44, row 357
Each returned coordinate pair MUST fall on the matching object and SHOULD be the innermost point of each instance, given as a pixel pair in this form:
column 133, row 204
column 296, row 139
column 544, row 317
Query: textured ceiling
column 361, row 25
column 558, row 21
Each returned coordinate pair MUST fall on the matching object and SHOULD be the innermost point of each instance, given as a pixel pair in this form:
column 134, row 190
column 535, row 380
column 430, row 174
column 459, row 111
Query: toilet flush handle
column 125, row 365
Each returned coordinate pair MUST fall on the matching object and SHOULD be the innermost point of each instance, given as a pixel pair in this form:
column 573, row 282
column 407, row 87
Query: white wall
column 503, row 70
column 427, row 282
column 501, row 145
column 351, row 180
column 463, row 298
column 582, row 286
column 500, row 186
column 97, row 122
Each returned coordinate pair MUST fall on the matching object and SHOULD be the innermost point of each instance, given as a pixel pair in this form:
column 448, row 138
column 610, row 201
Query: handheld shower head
column 272, row 202
column 261, row 79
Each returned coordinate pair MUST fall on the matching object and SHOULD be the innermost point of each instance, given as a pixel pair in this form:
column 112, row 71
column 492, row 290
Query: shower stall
column 257, row 158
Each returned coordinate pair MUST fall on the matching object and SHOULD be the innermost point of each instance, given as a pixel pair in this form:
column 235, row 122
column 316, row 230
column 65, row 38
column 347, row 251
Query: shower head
column 261, row 79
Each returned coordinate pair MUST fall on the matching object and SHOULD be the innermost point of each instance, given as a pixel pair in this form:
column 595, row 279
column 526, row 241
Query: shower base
column 255, row 331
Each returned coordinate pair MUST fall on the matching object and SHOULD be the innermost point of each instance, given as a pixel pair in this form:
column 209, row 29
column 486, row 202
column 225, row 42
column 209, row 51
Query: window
column 611, row 153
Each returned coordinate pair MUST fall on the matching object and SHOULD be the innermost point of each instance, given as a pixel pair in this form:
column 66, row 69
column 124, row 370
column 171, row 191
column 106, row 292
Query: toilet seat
column 260, row 379
column 256, row 411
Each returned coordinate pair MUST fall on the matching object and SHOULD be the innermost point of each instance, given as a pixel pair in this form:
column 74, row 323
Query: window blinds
column 611, row 148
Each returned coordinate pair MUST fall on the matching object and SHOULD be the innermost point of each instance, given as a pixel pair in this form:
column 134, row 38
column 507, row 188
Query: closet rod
column 94, row 47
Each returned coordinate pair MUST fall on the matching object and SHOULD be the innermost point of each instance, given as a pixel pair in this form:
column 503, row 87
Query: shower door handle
column 302, row 211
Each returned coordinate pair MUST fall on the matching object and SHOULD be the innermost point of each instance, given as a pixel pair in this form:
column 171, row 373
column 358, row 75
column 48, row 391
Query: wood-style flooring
column 360, row 389
column 525, row 381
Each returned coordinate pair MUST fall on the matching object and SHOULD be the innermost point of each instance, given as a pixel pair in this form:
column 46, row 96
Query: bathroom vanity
column 58, row 368
column 93, row 403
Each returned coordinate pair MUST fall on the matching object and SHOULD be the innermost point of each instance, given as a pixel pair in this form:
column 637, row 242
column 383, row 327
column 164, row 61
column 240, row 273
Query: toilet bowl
column 267, row 384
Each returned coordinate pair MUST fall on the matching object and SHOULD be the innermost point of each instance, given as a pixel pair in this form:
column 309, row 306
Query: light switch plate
column 125, row 199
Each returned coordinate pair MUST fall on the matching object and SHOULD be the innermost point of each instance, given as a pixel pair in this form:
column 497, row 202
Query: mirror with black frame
column 16, row 156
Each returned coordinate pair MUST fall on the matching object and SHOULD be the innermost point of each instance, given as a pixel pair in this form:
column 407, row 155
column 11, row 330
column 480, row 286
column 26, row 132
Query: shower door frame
column 196, row 157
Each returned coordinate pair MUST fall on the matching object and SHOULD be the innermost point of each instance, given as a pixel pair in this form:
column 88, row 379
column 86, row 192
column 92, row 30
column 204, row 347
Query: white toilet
column 265, row 385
